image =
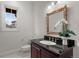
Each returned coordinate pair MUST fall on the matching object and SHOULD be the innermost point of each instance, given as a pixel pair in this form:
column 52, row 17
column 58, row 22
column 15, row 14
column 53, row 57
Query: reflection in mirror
column 53, row 19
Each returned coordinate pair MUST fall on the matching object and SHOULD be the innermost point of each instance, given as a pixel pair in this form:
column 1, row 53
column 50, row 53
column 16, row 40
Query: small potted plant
column 66, row 34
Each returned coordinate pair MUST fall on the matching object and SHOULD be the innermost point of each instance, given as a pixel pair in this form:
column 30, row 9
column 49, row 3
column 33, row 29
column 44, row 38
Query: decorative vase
column 65, row 40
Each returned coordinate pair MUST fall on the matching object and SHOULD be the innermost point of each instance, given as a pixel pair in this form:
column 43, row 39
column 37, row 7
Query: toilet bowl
column 25, row 45
column 25, row 48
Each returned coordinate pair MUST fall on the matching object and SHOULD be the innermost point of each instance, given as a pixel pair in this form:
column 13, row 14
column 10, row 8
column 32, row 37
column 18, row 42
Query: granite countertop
column 58, row 36
column 58, row 49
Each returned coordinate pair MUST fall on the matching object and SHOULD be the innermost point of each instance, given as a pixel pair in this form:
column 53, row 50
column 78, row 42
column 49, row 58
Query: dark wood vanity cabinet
column 35, row 51
column 38, row 51
column 46, row 54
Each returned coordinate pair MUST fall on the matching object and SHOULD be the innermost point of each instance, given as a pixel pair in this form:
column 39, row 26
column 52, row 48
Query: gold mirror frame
column 62, row 9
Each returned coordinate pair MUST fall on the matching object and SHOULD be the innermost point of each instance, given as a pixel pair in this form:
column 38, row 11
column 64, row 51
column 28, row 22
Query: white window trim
column 3, row 18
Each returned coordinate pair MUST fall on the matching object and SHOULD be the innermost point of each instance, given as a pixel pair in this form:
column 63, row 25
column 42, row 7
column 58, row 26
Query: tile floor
column 18, row 54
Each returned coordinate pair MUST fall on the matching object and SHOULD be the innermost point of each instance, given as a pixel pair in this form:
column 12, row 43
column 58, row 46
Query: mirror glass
column 53, row 20
column 56, row 20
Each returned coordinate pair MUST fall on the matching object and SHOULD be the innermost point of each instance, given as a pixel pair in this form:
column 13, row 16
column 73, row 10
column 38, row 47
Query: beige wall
column 39, row 14
column 11, row 40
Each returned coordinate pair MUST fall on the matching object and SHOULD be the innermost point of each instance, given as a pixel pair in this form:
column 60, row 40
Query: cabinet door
column 35, row 52
column 46, row 54
column 67, row 54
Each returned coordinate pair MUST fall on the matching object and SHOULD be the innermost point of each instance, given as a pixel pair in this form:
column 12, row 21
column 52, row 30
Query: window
column 9, row 18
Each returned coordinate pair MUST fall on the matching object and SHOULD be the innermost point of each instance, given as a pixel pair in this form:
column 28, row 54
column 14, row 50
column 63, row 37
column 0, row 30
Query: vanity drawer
column 46, row 54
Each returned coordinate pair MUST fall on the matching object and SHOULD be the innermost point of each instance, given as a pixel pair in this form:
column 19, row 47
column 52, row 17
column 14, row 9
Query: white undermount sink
column 47, row 42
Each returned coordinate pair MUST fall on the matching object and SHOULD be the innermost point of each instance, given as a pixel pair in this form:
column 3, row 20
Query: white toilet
column 25, row 46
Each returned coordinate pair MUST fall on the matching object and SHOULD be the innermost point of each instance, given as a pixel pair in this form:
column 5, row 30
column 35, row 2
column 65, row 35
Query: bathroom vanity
column 39, row 50
column 51, row 46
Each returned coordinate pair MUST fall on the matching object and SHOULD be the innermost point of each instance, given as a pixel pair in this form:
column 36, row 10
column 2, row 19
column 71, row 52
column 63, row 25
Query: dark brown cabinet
column 38, row 51
column 46, row 54
column 35, row 52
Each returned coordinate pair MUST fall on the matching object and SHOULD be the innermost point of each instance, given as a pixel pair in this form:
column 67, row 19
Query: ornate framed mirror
column 55, row 16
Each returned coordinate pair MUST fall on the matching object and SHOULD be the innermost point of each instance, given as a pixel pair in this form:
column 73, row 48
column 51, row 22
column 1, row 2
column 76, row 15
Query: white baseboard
column 8, row 52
